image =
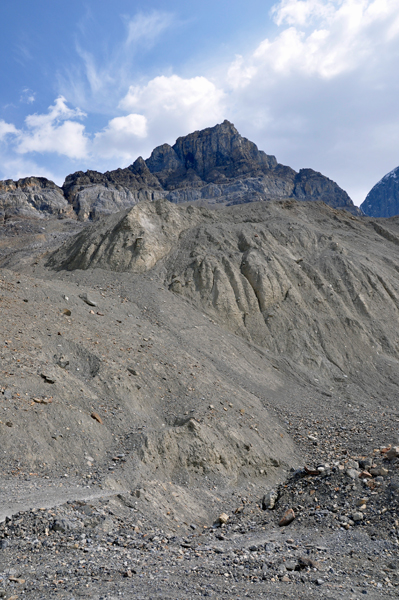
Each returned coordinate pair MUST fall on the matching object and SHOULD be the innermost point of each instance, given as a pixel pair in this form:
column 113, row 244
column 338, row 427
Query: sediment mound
column 302, row 280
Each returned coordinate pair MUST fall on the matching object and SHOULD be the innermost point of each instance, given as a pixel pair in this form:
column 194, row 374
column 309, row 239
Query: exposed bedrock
column 215, row 166
column 32, row 197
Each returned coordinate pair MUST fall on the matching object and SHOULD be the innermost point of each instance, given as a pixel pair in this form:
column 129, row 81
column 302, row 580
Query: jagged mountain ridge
column 383, row 198
column 215, row 166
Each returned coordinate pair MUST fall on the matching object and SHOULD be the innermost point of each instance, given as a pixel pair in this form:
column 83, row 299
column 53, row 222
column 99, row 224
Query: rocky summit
column 214, row 167
column 383, row 198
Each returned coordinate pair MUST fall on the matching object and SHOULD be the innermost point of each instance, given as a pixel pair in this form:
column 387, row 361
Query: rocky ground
column 342, row 542
column 150, row 447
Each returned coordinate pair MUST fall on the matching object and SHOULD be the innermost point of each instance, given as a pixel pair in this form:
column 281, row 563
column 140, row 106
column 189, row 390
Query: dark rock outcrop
column 215, row 166
column 32, row 197
column 383, row 198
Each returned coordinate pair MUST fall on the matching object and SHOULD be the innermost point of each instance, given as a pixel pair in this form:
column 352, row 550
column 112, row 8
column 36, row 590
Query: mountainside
column 295, row 278
column 216, row 166
column 214, row 391
column 383, row 198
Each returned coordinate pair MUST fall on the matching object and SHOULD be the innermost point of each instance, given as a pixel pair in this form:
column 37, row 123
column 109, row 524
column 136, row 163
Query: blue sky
column 94, row 84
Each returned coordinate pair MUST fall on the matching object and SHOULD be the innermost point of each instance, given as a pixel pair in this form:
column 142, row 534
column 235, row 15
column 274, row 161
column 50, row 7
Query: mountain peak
column 383, row 199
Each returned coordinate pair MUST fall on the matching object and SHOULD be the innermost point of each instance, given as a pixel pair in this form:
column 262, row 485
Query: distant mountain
column 383, row 198
column 215, row 166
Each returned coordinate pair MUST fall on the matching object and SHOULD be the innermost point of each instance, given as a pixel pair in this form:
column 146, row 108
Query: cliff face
column 383, row 199
column 213, row 166
column 32, row 197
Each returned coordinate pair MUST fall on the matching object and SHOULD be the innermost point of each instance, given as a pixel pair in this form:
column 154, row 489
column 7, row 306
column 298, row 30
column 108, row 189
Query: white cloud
column 120, row 137
column 54, row 132
column 173, row 105
column 159, row 112
column 323, row 38
column 6, row 129
column 27, row 96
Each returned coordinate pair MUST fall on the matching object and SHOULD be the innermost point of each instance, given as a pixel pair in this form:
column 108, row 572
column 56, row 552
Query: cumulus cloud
column 174, row 105
column 54, row 131
column 324, row 38
column 120, row 137
column 158, row 112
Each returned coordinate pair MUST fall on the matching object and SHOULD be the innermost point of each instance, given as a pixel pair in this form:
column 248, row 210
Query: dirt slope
column 171, row 363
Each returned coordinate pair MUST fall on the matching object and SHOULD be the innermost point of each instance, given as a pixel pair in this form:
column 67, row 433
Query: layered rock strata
column 32, row 197
column 215, row 166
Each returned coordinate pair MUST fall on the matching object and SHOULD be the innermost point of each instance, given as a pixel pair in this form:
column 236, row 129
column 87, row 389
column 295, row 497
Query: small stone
column 319, row 581
column 379, row 472
column 87, row 299
column 306, row 563
column 290, row 565
column 66, row 312
column 352, row 473
column 392, row 453
column 16, row 580
column 4, row 544
column 287, row 518
column 285, row 578
column 48, row 377
column 269, row 500
column 96, row 417
column 357, row 516
column 223, row 518
column 128, row 573
column 132, row 371
column 62, row 525
column 42, row 400
column 361, row 502
column 365, row 475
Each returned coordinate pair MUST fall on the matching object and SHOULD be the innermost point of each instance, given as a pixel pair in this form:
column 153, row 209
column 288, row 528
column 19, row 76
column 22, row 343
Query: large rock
column 32, row 197
column 383, row 199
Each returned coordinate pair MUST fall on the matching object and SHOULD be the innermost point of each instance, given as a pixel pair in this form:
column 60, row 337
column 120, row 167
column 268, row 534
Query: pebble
column 269, row 500
column 87, row 299
column 287, row 518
